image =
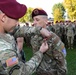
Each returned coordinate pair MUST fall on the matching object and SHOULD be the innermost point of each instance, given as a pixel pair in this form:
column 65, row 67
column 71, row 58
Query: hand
column 45, row 33
column 44, row 47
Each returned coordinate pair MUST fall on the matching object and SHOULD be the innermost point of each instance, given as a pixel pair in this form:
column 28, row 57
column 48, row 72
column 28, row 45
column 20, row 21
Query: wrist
column 41, row 51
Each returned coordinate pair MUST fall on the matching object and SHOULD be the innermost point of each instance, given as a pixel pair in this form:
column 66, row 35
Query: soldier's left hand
column 45, row 33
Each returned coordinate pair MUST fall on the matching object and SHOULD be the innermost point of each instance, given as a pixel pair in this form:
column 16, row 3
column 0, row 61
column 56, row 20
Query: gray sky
column 44, row 4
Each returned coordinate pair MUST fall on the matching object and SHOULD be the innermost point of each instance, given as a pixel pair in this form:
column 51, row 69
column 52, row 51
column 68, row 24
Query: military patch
column 11, row 61
column 36, row 11
column 64, row 51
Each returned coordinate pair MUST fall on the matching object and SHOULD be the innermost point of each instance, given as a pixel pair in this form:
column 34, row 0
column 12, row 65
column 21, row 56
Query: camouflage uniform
column 27, row 39
column 51, row 28
column 58, row 30
column 75, row 34
column 10, row 62
column 53, row 62
column 70, row 35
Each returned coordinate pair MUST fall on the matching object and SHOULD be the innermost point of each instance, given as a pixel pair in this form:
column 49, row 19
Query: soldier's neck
column 2, row 30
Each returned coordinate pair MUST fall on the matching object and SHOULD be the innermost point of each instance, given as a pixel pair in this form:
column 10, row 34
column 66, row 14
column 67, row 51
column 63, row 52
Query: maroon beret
column 37, row 12
column 12, row 8
column 49, row 22
column 56, row 22
column 66, row 21
column 74, row 20
column 61, row 21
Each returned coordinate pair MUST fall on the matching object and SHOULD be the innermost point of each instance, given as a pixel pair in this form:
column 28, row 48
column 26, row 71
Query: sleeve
column 32, row 64
column 61, row 63
column 27, row 31
column 59, row 55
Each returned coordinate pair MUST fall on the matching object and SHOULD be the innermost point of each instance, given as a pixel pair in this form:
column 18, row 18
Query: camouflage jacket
column 10, row 63
column 57, row 29
column 29, row 31
column 70, row 30
column 54, row 60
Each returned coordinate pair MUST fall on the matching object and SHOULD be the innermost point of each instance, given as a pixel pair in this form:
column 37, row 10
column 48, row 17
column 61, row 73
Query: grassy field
column 71, row 59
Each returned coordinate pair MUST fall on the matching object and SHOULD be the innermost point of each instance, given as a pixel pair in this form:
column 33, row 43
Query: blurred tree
column 58, row 12
column 27, row 17
column 70, row 6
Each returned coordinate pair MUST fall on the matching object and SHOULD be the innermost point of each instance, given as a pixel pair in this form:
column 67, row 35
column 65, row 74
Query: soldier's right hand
column 44, row 47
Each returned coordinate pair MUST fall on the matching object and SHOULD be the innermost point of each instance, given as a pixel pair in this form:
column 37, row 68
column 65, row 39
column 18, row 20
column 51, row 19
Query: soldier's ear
column 3, row 17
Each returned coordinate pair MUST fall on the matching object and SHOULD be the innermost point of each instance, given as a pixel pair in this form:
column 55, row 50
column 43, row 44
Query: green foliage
column 27, row 17
column 58, row 12
column 71, row 61
column 28, row 52
column 70, row 6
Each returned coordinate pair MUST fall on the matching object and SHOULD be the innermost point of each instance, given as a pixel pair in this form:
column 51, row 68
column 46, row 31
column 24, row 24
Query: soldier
column 10, row 63
column 50, row 26
column 58, row 29
column 27, row 41
column 70, row 34
column 19, row 41
column 75, row 32
column 65, row 33
column 53, row 62
column 62, row 31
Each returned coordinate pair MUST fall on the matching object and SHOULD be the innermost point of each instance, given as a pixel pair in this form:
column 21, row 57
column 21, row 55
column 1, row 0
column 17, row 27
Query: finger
column 45, row 42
